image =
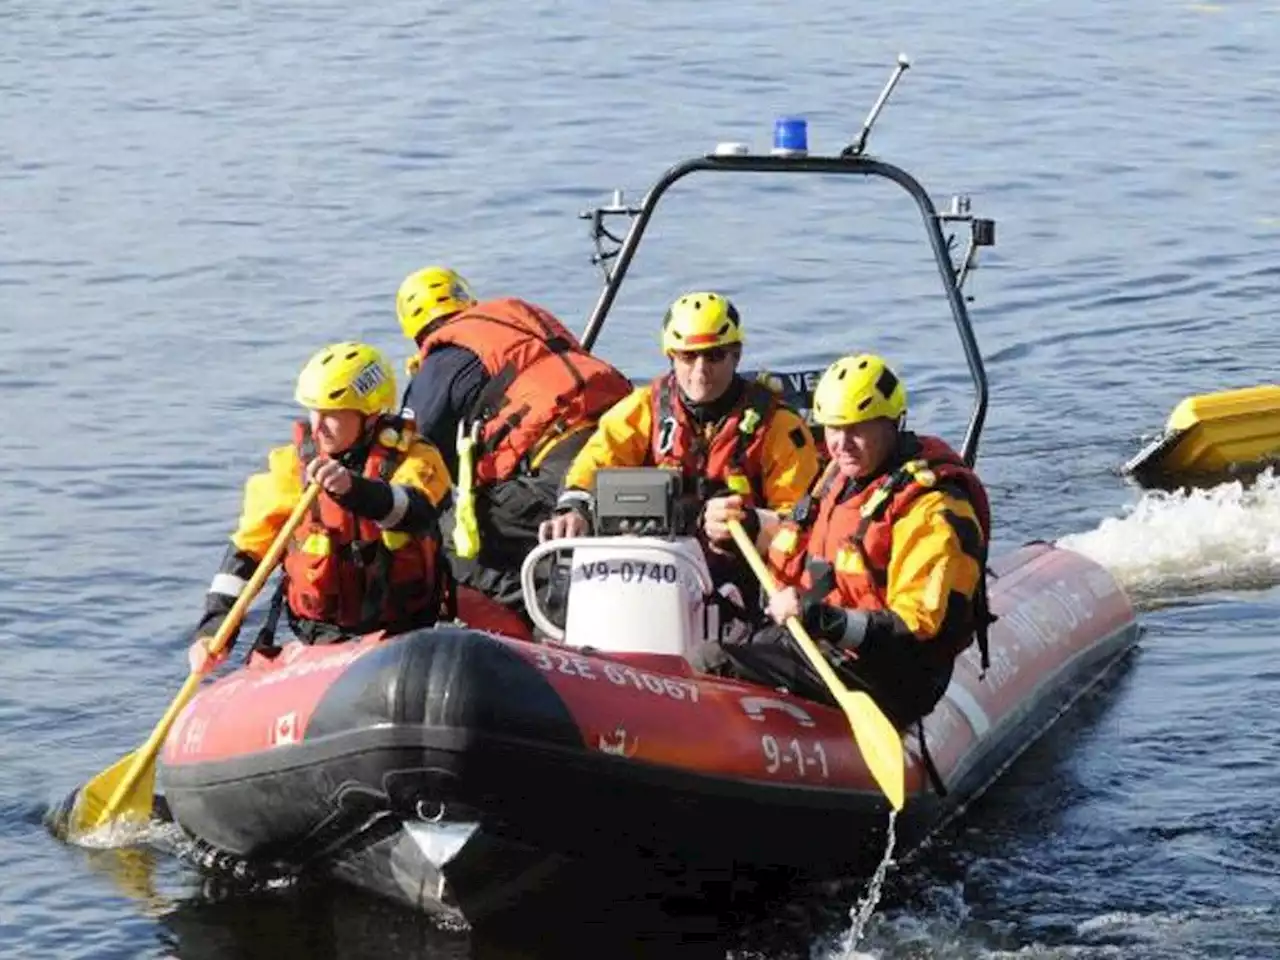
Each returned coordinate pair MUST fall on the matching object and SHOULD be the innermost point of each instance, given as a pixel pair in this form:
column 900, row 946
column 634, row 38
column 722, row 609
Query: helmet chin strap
column 368, row 428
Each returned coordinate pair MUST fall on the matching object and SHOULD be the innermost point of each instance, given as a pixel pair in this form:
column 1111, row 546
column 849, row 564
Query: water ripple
column 196, row 196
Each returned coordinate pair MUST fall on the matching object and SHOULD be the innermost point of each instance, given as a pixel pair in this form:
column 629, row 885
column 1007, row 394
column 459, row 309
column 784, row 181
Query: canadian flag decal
column 285, row 729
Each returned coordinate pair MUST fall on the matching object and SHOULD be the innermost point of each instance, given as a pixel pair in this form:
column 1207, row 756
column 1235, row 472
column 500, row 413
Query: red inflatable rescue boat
column 456, row 769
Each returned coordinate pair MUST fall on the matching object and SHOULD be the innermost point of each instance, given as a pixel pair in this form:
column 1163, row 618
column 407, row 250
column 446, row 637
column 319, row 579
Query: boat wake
column 1170, row 545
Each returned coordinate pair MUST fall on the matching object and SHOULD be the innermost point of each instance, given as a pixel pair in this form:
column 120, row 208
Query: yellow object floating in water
column 1212, row 436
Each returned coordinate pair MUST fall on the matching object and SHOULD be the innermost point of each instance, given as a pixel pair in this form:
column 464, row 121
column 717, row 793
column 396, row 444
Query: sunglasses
column 713, row 355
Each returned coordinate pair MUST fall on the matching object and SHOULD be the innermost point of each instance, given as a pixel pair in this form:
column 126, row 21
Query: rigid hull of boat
column 459, row 756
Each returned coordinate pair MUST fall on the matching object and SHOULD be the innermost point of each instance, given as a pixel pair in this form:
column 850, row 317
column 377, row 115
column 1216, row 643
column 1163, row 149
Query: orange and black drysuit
column 890, row 570
column 746, row 442
column 369, row 560
column 537, row 393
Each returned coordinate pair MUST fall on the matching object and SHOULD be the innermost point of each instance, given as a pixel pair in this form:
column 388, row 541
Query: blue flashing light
column 790, row 137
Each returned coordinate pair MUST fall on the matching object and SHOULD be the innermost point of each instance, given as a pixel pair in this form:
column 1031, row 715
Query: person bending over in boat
column 508, row 379
column 368, row 557
column 885, row 558
column 748, row 454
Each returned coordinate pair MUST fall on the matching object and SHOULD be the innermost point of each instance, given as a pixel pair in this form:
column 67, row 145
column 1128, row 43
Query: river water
column 195, row 196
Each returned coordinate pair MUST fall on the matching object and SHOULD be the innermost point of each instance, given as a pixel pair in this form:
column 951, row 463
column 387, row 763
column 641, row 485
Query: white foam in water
column 1206, row 931
column 1191, row 541
column 122, row 833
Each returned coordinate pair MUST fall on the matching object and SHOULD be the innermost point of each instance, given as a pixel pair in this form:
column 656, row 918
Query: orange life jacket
column 542, row 384
column 347, row 572
column 735, row 454
column 851, row 540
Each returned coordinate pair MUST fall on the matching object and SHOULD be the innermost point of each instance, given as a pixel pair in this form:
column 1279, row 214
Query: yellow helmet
column 347, row 376
column 857, row 389
column 428, row 294
column 700, row 321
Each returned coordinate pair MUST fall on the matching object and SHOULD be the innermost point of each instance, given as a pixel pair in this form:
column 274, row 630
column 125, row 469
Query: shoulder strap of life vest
column 805, row 513
column 756, row 404
column 305, row 444
column 666, row 425
column 389, row 445
column 493, row 397
column 392, row 436
column 921, row 471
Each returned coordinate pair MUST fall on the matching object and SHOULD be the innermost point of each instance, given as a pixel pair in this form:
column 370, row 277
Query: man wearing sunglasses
column 731, row 438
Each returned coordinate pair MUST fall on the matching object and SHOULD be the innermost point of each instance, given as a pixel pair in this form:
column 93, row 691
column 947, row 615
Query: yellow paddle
column 124, row 791
column 877, row 739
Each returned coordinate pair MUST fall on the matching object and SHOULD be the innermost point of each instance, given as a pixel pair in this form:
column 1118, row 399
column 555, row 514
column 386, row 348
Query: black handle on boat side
column 861, row 166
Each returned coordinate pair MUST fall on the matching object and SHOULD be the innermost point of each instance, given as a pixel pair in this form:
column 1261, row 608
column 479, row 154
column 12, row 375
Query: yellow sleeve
column 935, row 568
column 790, row 460
column 621, row 439
column 424, row 469
column 269, row 498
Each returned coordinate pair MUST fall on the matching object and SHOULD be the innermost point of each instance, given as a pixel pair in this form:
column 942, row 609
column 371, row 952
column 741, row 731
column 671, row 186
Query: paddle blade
column 879, row 742
column 877, row 738
column 110, row 796
column 124, row 791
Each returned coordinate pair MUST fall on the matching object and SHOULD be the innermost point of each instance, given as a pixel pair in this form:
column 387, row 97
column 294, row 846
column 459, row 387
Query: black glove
column 845, row 629
column 580, row 507
column 215, row 612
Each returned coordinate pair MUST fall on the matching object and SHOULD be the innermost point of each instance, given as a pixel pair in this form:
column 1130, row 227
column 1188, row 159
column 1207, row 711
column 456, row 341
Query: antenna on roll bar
column 790, row 155
column 855, row 149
